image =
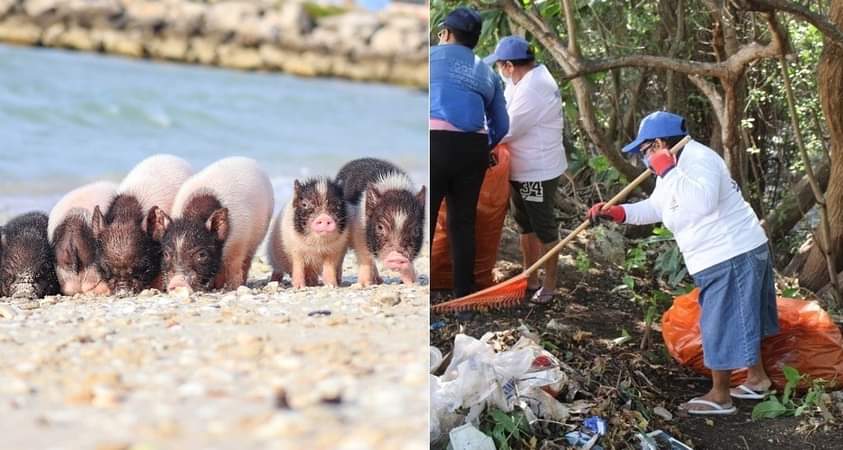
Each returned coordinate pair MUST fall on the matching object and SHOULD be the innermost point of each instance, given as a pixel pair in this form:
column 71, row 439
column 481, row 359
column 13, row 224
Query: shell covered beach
column 265, row 366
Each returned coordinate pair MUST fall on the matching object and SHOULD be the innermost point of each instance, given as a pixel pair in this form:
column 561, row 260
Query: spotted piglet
column 388, row 217
column 309, row 236
column 220, row 216
column 27, row 269
column 70, row 234
column 128, row 257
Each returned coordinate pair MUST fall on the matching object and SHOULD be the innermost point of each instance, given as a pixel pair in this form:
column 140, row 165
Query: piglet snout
column 396, row 261
column 178, row 281
column 323, row 224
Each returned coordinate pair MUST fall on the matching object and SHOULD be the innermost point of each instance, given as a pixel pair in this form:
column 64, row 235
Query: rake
column 511, row 292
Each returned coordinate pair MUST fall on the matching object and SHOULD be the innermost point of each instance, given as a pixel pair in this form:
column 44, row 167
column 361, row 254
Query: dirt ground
column 625, row 383
column 264, row 367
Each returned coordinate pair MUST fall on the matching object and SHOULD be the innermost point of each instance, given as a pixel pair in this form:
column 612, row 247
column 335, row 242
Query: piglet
column 128, row 257
column 388, row 217
column 310, row 235
column 69, row 231
column 219, row 218
column 27, row 269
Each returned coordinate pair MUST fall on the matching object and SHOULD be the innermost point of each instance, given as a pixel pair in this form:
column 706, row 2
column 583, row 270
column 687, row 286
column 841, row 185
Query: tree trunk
column 814, row 274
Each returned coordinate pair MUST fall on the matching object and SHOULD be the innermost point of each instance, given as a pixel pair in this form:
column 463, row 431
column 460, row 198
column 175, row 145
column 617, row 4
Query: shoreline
column 387, row 47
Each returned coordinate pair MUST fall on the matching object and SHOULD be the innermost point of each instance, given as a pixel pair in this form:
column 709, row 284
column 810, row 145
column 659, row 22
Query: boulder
column 237, row 57
column 6, row 7
column 77, row 38
column 94, row 13
column 228, row 17
column 202, row 50
column 46, row 12
column 19, row 30
column 126, row 43
column 169, row 47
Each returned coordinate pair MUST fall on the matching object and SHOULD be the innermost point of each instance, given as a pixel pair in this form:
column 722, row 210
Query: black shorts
column 532, row 204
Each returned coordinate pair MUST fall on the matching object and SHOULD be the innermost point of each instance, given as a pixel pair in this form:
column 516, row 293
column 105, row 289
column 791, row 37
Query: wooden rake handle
column 617, row 198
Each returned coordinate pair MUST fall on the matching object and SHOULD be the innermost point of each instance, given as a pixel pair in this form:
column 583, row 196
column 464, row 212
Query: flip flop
column 715, row 409
column 542, row 296
column 747, row 393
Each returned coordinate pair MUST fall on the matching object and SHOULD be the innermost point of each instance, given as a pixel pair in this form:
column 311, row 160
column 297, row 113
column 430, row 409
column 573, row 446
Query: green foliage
column 636, row 257
column 506, row 429
column 318, row 11
column 582, row 262
column 604, row 172
column 788, row 405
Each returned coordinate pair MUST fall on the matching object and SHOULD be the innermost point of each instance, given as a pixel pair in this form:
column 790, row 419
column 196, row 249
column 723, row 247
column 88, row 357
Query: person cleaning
column 725, row 251
column 467, row 119
column 534, row 105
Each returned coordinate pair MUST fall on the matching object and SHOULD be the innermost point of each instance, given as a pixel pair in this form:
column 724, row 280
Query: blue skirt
column 738, row 302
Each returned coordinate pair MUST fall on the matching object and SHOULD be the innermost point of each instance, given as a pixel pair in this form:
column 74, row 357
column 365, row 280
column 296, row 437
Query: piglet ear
column 421, row 196
column 296, row 188
column 157, row 222
column 218, row 223
column 373, row 198
column 97, row 222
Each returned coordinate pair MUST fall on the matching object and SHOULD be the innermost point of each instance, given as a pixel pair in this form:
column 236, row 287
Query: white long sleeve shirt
column 703, row 207
column 534, row 105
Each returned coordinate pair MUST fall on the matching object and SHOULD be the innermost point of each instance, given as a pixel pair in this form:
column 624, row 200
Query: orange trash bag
column 808, row 341
column 491, row 212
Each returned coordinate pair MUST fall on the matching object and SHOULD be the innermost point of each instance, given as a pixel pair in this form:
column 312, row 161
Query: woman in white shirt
column 725, row 250
column 534, row 105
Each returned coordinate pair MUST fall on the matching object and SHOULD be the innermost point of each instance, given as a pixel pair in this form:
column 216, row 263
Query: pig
column 310, row 235
column 69, row 232
column 219, row 218
column 388, row 218
column 27, row 269
column 128, row 258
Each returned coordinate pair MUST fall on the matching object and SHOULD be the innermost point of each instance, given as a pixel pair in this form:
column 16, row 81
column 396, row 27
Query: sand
column 266, row 366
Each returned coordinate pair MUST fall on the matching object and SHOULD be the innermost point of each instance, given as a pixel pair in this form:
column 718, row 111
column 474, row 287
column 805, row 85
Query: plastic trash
column 660, row 440
column 808, row 341
column 438, row 325
column 467, row 437
column 526, row 376
column 435, row 358
column 595, row 424
column 582, row 440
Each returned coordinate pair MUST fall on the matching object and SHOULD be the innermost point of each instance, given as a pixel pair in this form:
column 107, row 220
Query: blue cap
column 510, row 48
column 463, row 19
column 659, row 124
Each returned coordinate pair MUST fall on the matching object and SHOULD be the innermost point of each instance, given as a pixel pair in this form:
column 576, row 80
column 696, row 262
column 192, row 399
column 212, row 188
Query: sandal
column 747, row 393
column 713, row 409
column 542, row 296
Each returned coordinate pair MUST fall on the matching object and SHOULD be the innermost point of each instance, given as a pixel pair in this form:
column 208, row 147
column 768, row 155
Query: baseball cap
column 510, row 48
column 463, row 19
column 660, row 124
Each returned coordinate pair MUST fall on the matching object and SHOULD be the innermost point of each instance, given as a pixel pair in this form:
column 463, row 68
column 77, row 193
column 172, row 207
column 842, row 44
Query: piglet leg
column 329, row 271
column 299, row 278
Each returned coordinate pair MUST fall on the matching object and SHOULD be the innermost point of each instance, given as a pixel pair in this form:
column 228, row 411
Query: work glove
column 661, row 162
column 614, row 213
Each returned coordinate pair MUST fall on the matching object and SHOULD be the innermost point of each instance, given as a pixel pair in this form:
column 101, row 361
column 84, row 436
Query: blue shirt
column 466, row 92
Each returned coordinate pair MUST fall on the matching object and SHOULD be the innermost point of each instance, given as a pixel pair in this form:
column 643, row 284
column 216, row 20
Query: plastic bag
column 808, row 341
column 491, row 212
column 524, row 376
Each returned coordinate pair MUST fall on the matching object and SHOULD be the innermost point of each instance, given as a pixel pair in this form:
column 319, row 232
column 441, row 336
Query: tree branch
column 826, row 27
column 714, row 97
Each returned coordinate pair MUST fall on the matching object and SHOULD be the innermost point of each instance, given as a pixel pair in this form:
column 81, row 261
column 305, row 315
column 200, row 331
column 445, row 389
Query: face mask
column 646, row 161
